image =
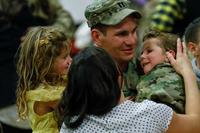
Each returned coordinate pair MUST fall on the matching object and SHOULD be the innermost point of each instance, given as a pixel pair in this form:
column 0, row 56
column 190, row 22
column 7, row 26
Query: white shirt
column 128, row 117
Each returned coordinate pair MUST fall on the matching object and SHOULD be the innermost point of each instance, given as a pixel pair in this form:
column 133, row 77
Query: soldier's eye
column 122, row 33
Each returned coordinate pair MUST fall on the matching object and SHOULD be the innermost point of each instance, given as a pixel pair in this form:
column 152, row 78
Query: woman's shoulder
column 146, row 107
column 128, row 116
column 146, row 112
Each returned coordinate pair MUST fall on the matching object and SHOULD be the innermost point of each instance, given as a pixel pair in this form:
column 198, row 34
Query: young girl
column 42, row 66
column 160, row 83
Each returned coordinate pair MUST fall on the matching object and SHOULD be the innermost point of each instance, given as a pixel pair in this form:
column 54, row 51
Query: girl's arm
column 42, row 108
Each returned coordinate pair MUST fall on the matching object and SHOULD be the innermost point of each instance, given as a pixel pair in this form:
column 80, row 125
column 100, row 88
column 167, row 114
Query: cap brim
column 116, row 18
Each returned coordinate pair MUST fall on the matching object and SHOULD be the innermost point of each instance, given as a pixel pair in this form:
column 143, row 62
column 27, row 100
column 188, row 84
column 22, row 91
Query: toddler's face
column 151, row 55
column 62, row 63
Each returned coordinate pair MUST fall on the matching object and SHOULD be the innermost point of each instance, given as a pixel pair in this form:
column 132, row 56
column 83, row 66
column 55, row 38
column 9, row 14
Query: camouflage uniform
column 163, row 85
column 130, row 80
column 56, row 16
column 26, row 13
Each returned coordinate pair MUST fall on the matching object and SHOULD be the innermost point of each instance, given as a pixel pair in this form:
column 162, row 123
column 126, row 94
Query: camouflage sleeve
column 63, row 20
column 163, row 85
column 130, row 80
column 54, row 14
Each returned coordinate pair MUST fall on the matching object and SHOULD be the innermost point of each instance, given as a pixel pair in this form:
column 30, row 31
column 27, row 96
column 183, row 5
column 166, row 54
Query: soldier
column 160, row 83
column 114, row 28
column 16, row 17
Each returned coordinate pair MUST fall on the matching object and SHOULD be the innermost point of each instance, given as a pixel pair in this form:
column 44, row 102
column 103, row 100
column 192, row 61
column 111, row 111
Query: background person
column 192, row 40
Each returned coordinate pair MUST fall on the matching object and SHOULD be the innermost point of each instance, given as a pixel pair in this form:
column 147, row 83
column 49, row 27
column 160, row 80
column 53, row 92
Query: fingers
column 184, row 49
column 132, row 98
column 179, row 47
column 171, row 58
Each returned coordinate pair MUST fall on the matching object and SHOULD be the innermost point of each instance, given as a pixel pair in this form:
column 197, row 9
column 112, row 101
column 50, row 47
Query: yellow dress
column 45, row 123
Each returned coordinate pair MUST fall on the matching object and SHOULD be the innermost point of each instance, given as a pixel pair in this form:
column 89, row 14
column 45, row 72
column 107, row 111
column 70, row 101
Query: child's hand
column 132, row 98
column 181, row 64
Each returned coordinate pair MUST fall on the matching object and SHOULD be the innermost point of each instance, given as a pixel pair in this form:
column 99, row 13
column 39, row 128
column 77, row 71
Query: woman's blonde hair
column 35, row 57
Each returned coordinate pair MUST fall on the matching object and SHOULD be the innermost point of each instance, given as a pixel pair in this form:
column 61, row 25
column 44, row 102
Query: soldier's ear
column 96, row 36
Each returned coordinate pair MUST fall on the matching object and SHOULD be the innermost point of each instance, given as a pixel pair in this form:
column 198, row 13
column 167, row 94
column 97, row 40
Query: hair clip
column 44, row 41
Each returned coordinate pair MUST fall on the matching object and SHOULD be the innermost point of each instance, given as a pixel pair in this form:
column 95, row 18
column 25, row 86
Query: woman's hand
column 188, row 122
column 181, row 64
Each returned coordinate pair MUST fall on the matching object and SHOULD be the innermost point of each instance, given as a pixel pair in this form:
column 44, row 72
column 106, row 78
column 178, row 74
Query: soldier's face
column 152, row 54
column 121, row 40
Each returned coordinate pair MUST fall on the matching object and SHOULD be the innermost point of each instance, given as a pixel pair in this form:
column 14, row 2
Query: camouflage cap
column 108, row 12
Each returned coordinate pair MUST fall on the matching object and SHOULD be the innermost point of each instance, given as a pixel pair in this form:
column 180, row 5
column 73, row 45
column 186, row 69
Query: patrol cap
column 108, row 12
